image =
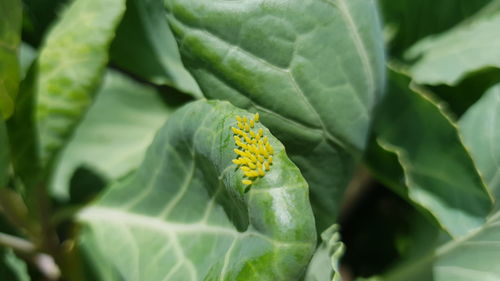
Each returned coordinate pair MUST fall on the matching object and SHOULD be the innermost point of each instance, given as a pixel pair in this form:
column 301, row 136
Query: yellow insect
column 254, row 151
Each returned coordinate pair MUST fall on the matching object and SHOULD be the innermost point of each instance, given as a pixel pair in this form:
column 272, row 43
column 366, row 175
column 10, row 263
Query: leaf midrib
column 98, row 213
column 121, row 216
column 358, row 42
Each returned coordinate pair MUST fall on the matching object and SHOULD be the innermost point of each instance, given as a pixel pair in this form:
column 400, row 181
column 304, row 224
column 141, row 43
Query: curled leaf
column 187, row 215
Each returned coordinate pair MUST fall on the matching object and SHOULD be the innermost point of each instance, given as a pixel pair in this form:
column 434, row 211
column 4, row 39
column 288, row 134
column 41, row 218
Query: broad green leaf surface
column 470, row 258
column 324, row 265
column 11, row 267
column 438, row 173
column 480, row 127
column 10, row 38
column 409, row 20
column 95, row 264
column 114, row 133
column 313, row 69
column 145, row 46
column 70, row 67
column 448, row 58
column 4, row 154
column 185, row 215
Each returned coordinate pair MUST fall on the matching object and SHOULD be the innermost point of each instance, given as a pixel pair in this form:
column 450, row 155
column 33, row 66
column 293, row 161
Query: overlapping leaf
column 418, row 151
column 70, row 68
column 114, row 134
column 480, row 127
column 314, row 69
column 10, row 38
column 407, row 21
column 475, row 256
column 146, row 47
column 186, row 215
column 469, row 47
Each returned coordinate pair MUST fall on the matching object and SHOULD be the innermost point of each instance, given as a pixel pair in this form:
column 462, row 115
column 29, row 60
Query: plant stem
column 50, row 239
column 27, row 250
column 47, row 266
column 16, row 243
column 15, row 211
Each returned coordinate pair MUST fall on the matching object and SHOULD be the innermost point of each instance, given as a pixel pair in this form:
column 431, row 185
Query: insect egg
column 253, row 149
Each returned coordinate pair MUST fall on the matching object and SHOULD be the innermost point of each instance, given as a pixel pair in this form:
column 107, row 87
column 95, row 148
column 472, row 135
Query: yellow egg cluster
column 255, row 153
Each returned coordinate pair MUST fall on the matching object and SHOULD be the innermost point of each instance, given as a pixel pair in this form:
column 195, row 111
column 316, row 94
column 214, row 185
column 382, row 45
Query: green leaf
column 94, row 263
column 70, row 68
column 451, row 56
column 114, row 134
column 472, row 257
column 480, row 127
column 324, row 265
column 313, row 69
column 11, row 267
column 405, row 19
column 145, row 46
column 186, row 215
column 22, row 132
column 10, row 38
column 437, row 172
column 4, row 154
